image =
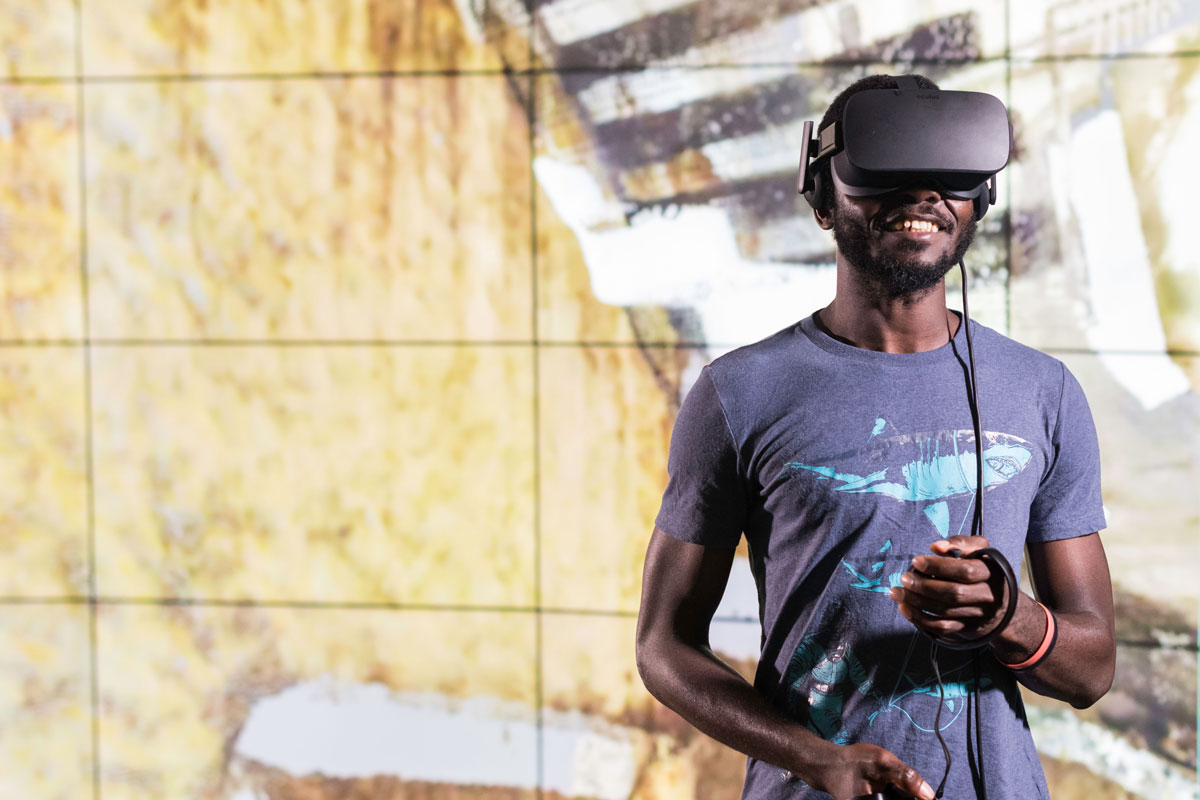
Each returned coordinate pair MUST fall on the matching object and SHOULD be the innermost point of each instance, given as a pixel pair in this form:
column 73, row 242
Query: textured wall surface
column 341, row 341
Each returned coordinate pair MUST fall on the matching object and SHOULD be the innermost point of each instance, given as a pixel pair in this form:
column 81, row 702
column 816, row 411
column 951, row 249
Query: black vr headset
column 888, row 139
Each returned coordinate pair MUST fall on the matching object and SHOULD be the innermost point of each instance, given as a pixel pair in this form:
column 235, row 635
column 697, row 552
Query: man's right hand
column 854, row 770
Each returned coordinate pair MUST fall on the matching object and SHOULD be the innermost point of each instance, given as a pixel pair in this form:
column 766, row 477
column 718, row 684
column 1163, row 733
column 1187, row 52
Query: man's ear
column 823, row 218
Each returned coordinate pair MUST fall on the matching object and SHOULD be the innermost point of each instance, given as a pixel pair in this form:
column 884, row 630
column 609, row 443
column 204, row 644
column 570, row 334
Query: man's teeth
column 918, row 225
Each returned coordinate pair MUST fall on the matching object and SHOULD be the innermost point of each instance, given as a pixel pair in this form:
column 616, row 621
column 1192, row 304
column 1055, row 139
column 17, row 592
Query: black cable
column 979, row 726
column 937, row 720
column 973, row 397
column 976, row 418
column 996, row 559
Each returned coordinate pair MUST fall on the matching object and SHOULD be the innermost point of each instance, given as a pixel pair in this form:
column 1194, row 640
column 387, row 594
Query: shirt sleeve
column 1068, row 502
column 705, row 501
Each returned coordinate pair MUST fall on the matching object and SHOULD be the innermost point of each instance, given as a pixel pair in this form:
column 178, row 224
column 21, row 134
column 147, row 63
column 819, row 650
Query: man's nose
column 920, row 193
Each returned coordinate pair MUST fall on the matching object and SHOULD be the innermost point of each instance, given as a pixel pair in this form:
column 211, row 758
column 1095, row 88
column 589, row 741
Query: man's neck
column 889, row 325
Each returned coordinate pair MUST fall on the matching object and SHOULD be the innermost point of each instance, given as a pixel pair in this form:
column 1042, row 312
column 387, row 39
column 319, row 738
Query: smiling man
column 843, row 449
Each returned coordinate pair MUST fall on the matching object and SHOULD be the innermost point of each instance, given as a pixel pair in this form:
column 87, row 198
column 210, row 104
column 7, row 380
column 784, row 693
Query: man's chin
column 898, row 280
column 896, row 275
column 912, row 250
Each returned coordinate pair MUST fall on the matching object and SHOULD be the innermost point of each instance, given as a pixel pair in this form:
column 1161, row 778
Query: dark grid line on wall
column 150, row 344
column 539, row 641
column 633, row 67
column 444, row 608
column 89, row 438
column 89, row 459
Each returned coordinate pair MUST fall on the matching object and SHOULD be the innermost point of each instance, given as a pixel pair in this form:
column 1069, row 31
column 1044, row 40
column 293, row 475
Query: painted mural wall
column 341, row 341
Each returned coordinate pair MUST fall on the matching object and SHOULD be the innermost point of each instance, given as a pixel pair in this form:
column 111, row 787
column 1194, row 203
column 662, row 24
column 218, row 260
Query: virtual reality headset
column 889, row 139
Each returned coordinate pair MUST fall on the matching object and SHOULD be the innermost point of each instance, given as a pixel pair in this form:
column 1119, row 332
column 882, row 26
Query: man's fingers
column 934, row 626
column 950, row 592
column 859, row 769
column 905, row 778
column 955, row 609
column 943, row 595
column 964, row 544
column 961, row 570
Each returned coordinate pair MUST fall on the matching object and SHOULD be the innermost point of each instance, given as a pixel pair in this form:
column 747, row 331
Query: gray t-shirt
column 840, row 465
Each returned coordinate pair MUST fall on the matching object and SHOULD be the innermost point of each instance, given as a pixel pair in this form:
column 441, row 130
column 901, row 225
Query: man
column 843, row 449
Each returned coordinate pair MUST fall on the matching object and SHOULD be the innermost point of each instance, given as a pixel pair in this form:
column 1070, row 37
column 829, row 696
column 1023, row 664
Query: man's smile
column 913, row 234
column 912, row 226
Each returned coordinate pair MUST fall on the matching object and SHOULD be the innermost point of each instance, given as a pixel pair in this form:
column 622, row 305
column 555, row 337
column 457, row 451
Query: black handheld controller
column 892, row 793
column 998, row 564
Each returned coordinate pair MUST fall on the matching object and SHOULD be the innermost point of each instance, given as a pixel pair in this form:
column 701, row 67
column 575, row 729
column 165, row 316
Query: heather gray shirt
column 839, row 465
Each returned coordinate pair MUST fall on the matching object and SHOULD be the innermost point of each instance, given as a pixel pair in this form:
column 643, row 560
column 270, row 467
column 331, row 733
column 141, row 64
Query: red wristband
column 1043, row 650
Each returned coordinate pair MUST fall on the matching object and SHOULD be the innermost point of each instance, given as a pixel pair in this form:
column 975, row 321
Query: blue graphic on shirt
column 939, row 515
column 873, row 582
column 819, row 681
column 944, row 467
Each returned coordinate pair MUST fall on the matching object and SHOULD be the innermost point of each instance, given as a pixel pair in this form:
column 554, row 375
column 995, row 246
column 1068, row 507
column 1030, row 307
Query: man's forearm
column 1079, row 670
column 713, row 697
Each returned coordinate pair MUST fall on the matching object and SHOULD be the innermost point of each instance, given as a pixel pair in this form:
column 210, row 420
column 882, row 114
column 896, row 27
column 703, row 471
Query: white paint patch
column 1062, row 735
column 686, row 259
column 346, row 731
column 764, row 152
column 739, row 640
column 741, row 593
column 470, row 24
column 1124, row 307
column 739, row 635
column 587, row 758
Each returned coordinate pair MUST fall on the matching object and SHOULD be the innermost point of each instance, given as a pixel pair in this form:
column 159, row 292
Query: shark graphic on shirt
column 942, row 466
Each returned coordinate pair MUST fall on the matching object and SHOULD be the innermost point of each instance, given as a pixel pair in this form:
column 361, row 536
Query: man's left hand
column 943, row 595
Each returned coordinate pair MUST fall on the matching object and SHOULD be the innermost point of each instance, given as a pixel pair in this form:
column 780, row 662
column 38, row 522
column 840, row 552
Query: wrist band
column 1043, row 650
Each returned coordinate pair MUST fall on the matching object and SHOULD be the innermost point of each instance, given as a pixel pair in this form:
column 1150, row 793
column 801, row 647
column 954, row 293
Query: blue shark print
column 873, row 582
column 944, row 467
column 880, row 424
column 939, row 515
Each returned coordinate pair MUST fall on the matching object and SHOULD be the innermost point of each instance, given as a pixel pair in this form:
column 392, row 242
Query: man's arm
column 1072, row 580
column 681, row 588
column 947, row 595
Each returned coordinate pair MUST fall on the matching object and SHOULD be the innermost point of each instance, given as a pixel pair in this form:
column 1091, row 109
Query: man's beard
column 896, row 277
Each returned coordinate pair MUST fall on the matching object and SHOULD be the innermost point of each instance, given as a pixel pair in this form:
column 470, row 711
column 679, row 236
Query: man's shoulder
column 1016, row 357
column 761, row 355
column 751, row 379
